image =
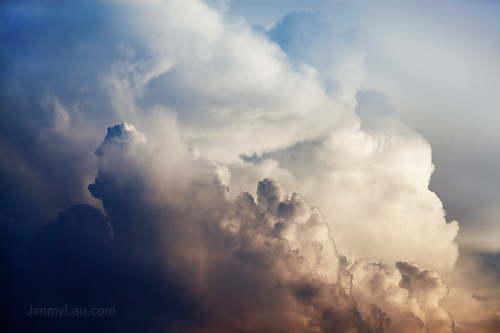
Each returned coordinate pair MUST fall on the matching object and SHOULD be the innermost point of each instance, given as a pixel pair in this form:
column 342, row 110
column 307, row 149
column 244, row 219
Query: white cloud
column 240, row 96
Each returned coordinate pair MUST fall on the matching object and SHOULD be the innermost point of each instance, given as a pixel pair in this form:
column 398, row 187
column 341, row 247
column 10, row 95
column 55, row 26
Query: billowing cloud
column 373, row 186
column 251, row 185
column 372, row 182
column 246, row 264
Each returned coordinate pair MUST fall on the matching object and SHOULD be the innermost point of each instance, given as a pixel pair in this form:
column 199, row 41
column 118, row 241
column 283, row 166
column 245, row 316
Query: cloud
column 310, row 38
column 373, row 184
column 75, row 262
column 264, row 263
column 408, row 296
column 474, row 292
column 231, row 92
column 443, row 77
column 51, row 105
column 247, row 133
column 251, row 264
column 376, row 110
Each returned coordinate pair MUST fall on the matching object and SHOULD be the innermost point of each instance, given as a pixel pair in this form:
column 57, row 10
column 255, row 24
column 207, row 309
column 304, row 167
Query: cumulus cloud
column 254, row 102
column 372, row 182
column 230, row 139
column 407, row 296
column 178, row 252
column 251, row 264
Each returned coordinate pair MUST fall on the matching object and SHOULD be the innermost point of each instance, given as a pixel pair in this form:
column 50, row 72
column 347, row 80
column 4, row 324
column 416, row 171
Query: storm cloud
column 246, row 182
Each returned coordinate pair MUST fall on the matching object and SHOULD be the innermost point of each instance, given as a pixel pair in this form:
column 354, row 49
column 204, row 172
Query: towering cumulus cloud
column 252, row 264
column 248, row 186
column 369, row 175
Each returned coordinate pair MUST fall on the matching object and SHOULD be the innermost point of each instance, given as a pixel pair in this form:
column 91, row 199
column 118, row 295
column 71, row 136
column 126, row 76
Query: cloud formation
column 255, row 264
column 372, row 181
column 251, row 186
column 250, row 264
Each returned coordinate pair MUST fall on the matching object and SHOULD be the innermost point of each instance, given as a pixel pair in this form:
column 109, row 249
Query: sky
column 249, row 166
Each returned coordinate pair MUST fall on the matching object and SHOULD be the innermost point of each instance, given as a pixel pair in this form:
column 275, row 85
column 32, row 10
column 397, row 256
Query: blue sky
column 211, row 151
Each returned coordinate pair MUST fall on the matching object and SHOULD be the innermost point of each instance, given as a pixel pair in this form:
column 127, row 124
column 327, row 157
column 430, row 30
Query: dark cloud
column 75, row 262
